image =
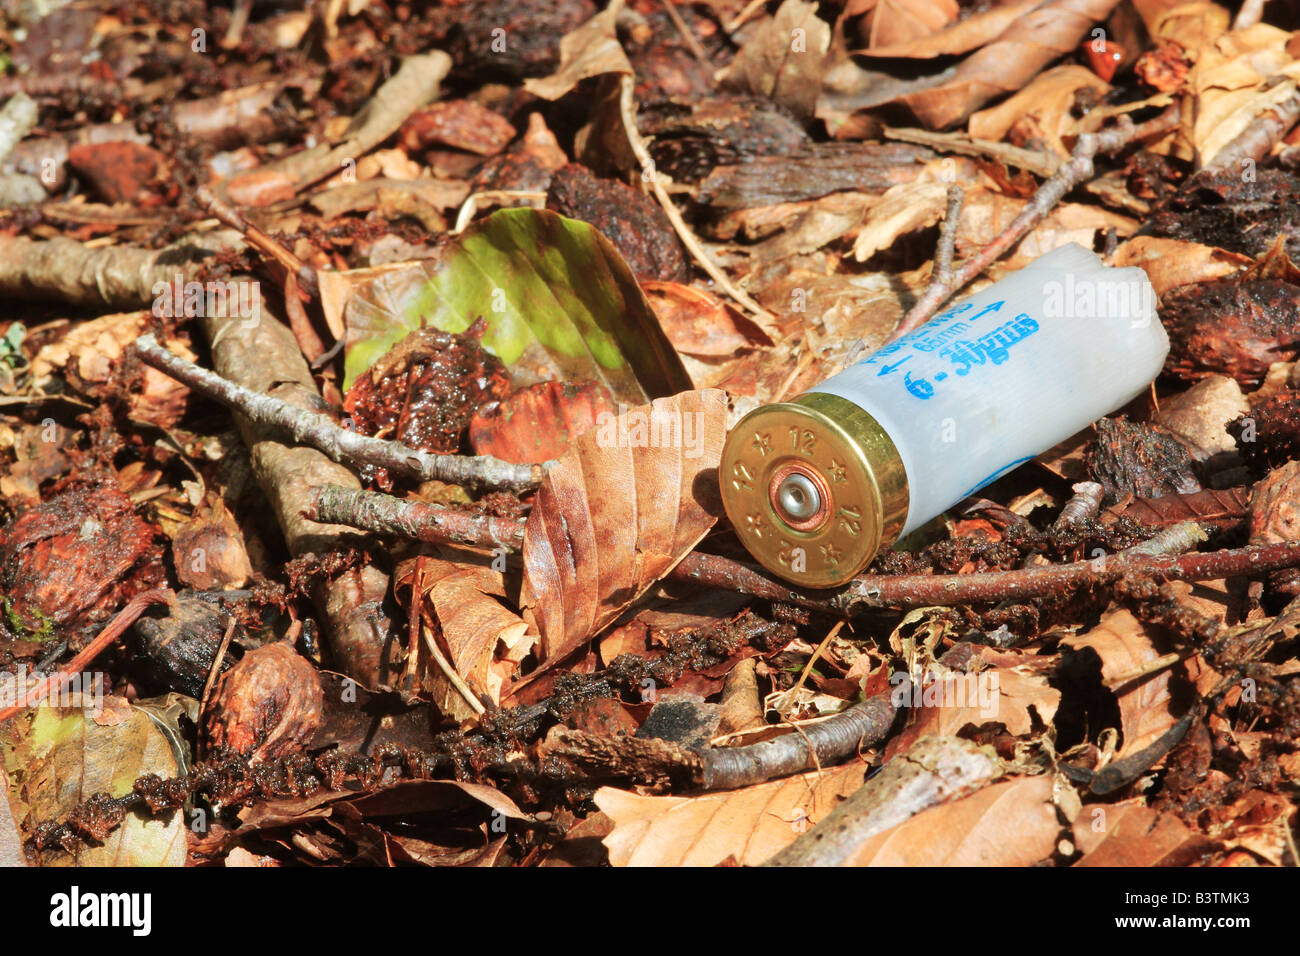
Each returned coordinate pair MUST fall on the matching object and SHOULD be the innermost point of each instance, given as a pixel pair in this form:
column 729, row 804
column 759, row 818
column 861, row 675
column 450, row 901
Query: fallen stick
column 341, row 444
column 1261, row 134
column 934, row 771
column 1078, row 169
column 385, row 514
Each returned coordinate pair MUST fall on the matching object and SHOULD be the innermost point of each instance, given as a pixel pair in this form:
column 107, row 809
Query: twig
column 946, row 248
column 697, row 51
column 904, row 590
column 922, row 590
column 1078, row 169
column 1251, row 12
column 449, row 672
column 627, row 109
column 297, row 274
column 420, row 520
column 340, row 444
column 259, row 240
column 815, row 745
column 125, row 618
column 1261, row 134
column 212, row 675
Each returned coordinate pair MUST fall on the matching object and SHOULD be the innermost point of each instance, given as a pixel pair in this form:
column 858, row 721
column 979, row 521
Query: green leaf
column 558, row 301
column 58, row 757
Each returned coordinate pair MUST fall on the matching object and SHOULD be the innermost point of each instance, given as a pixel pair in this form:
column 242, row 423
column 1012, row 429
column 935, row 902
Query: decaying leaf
column 1013, row 690
column 618, row 512
column 784, row 58
column 966, row 34
column 58, row 757
column 486, row 640
column 1028, row 44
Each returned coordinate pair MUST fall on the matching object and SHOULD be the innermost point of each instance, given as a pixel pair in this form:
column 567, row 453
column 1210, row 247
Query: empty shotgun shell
column 816, row 486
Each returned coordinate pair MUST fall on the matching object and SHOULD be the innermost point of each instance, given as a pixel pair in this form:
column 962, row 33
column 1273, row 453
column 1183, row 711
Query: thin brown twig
column 212, row 675
column 947, row 245
column 259, row 240
column 1261, row 134
column 420, row 520
column 697, row 50
column 124, row 619
column 358, row 509
column 1078, row 169
column 341, row 444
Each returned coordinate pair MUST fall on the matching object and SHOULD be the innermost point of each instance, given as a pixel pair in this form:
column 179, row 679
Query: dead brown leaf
column 618, row 512
column 748, row 825
column 1012, row 823
column 961, row 37
column 1170, row 263
column 1006, row 64
column 784, row 58
column 1131, row 834
column 898, row 22
column 1013, row 692
column 1124, row 646
column 699, row 323
column 484, row 639
column 1040, row 114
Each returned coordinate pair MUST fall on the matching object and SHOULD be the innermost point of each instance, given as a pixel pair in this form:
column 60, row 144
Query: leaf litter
column 454, row 586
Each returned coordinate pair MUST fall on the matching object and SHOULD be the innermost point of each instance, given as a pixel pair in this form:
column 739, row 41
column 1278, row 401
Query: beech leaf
column 557, row 300
column 633, row 496
column 748, row 825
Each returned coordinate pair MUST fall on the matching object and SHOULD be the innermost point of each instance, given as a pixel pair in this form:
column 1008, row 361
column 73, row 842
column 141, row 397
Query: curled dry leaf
column 485, row 640
column 1012, row 691
column 618, row 512
column 1199, row 416
column 699, row 323
column 209, row 549
column 1009, row 62
column 963, row 36
column 896, row 22
column 591, row 50
column 904, row 208
column 1123, row 647
column 748, row 825
column 1040, row 114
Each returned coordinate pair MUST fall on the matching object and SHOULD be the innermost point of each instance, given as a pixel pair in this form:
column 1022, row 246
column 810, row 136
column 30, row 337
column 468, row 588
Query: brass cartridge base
column 814, row 488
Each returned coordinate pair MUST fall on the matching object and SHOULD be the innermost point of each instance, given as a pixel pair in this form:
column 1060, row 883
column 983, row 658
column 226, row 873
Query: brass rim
column 854, row 464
